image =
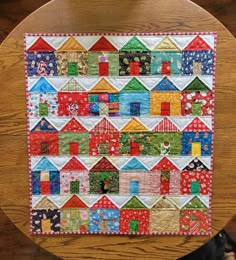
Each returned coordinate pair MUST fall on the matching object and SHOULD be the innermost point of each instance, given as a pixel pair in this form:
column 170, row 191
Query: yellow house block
column 159, row 100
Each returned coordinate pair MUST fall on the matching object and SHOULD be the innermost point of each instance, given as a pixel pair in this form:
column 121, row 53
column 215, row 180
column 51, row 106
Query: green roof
column 134, row 203
column 134, row 86
column 197, row 85
column 134, row 44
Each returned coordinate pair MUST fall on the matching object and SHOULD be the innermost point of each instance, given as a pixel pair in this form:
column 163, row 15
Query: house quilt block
column 120, row 132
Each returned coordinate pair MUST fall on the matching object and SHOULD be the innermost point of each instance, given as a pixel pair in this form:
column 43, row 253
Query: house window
column 74, row 148
column 104, row 148
column 134, row 187
column 45, row 225
column 166, row 68
column 134, row 68
column 104, row 225
column 72, row 68
column 133, row 225
column 135, row 109
column 44, row 148
column 195, row 187
column 74, row 187
column 165, row 108
column 165, row 182
column 134, row 148
column 197, row 108
column 197, row 68
column 196, row 149
column 43, row 109
column 103, row 65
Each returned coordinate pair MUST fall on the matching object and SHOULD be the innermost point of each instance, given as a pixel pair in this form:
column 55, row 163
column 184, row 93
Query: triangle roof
column 198, row 44
column 103, row 86
column 72, row 85
column 164, row 165
column 104, row 165
column 165, row 85
column 134, row 126
column 134, row 165
column 165, row 125
column 195, row 165
column 40, row 45
column 74, row 165
column 196, row 126
column 134, row 203
column 166, row 44
column 74, row 202
column 42, row 85
column 196, row 85
column 104, row 126
column 45, row 203
column 134, row 44
column 164, row 203
column 104, row 203
column 194, row 203
column 44, row 165
column 74, row 126
column 134, row 85
column 44, row 126
column 71, row 44
column 103, row 45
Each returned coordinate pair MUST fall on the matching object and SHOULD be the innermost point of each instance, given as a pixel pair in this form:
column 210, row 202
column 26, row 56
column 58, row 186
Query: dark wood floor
column 14, row 245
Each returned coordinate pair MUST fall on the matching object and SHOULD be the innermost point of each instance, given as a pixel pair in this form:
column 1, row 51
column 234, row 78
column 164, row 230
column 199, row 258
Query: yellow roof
column 103, row 86
column 166, row 45
column 134, row 126
column 71, row 44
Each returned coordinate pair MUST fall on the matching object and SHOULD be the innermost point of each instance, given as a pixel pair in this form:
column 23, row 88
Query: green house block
column 133, row 225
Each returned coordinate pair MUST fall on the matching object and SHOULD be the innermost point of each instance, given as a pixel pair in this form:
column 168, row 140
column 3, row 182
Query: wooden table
column 113, row 16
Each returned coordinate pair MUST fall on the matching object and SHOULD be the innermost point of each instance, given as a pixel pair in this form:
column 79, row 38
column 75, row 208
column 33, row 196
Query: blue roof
column 44, row 165
column 165, row 85
column 44, row 126
column 42, row 85
column 134, row 165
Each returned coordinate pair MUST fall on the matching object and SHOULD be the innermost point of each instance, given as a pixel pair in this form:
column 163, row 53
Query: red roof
column 196, row 126
column 197, row 44
column 165, row 126
column 102, row 45
column 75, row 202
column 73, row 126
column 104, row 203
column 164, row 165
column 103, row 165
column 74, row 165
column 40, row 45
column 104, row 126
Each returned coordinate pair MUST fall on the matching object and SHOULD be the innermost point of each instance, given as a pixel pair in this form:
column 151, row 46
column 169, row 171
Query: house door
column 104, row 225
column 44, row 148
column 134, row 68
column 196, row 109
column 166, row 68
column 133, row 225
column 103, row 109
column 135, row 109
column 46, row 225
column 45, row 187
column 74, row 187
column 104, row 148
column 196, row 149
column 74, row 148
column 197, row 68
column 134, row 187
column 195, row 187
column 103, row 68
column 165, row 108
column 43, row 109
column 165, row 182
column 134, row 148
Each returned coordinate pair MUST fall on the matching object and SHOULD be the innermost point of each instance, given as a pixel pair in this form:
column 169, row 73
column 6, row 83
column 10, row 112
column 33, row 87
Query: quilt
column 120, row 132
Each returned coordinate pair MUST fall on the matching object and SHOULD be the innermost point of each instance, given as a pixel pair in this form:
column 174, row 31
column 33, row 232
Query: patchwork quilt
column 120, row 132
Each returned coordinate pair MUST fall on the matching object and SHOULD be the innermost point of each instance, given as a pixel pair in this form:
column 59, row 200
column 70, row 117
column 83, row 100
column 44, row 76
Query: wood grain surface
column 113, row 16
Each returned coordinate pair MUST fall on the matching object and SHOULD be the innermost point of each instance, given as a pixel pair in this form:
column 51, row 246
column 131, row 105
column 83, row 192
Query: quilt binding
column 209, row 233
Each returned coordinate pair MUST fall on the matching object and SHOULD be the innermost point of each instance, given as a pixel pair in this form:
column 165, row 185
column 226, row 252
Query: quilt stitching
column 120, row 132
